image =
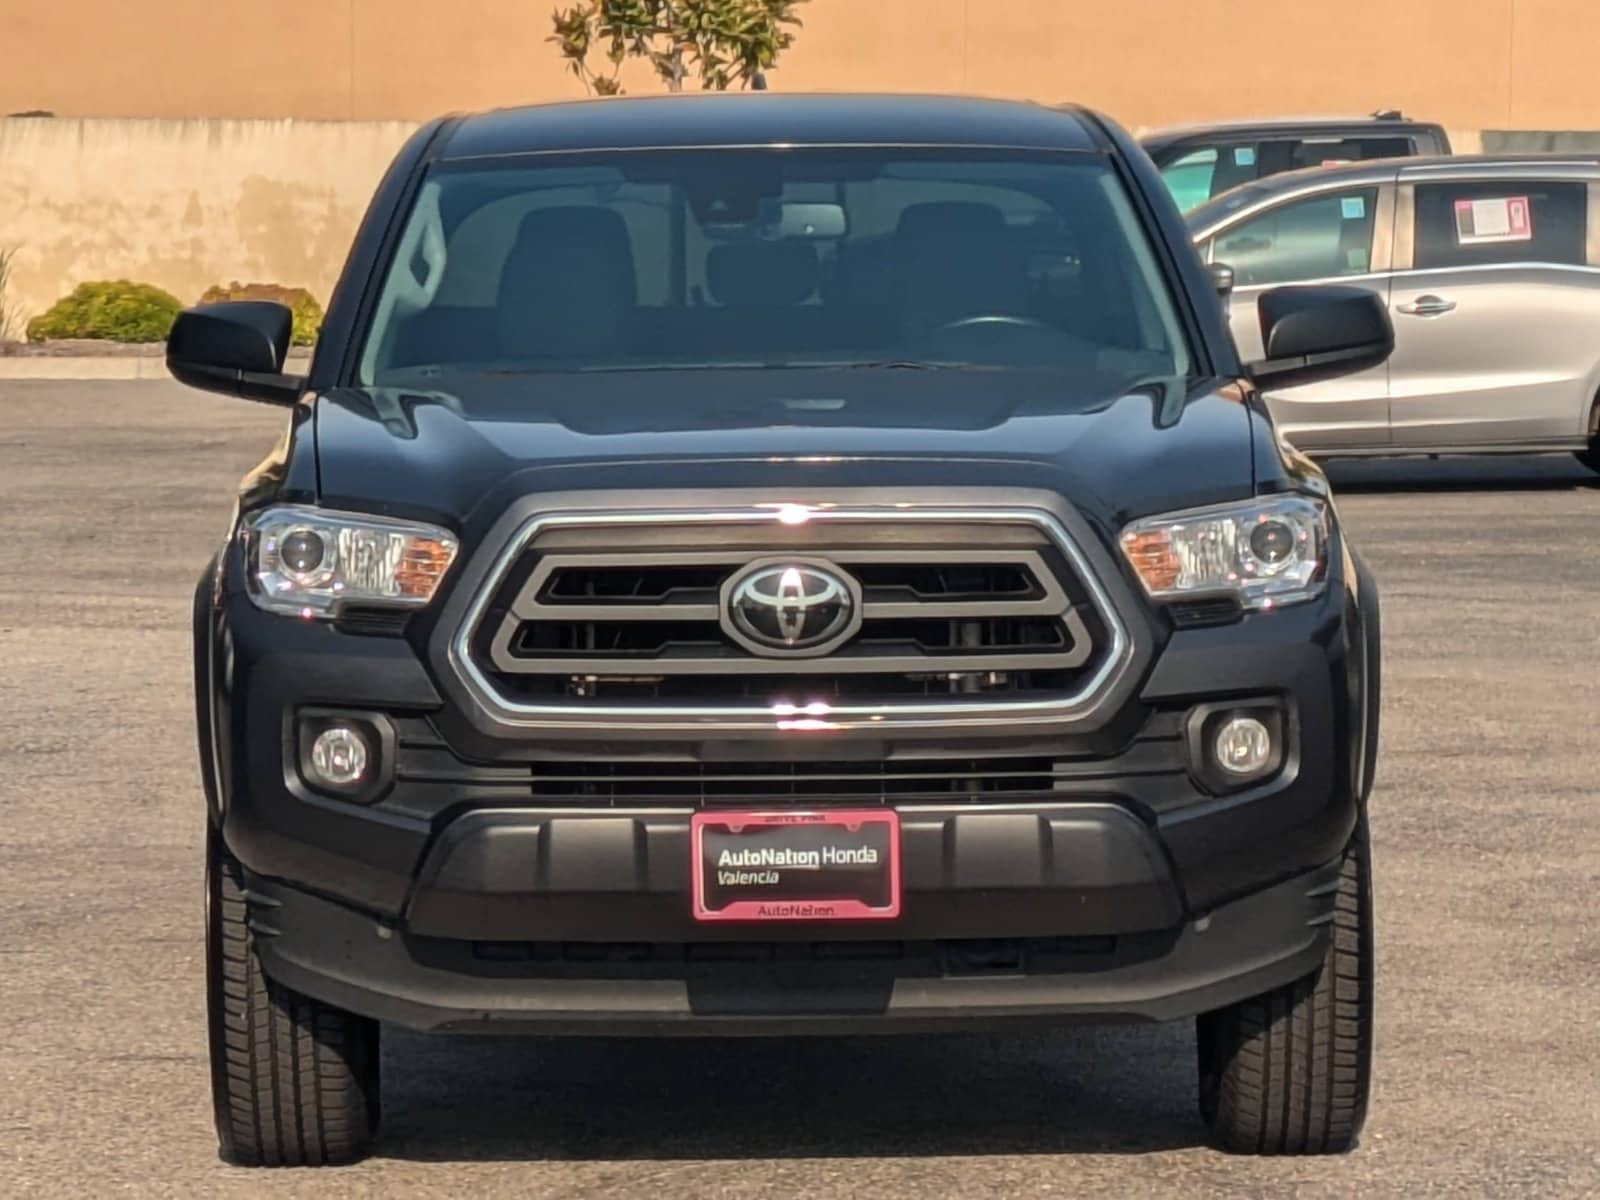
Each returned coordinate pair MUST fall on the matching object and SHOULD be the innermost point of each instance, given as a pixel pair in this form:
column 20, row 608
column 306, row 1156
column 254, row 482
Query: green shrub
column 307, row 312
column 110, row 310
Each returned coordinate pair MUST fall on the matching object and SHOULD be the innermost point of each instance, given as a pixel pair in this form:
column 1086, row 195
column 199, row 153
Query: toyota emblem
column 795, row 607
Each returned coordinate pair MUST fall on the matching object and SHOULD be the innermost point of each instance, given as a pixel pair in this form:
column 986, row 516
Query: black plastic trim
column 344, row 957
column 303, row 726
column 1201, row 726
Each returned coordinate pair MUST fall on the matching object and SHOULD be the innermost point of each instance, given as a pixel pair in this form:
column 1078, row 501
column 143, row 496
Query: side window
column 1206, row 171
column 1317, row 237
column 1189, row 177
column 1315, row 153
column 1506, row 221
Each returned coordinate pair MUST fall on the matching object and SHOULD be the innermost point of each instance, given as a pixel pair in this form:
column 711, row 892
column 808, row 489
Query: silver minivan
column 1490, row 267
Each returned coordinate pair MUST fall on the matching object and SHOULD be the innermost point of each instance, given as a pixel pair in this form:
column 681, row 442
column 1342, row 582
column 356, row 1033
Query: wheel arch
column 203, row 624
column 1371, row 694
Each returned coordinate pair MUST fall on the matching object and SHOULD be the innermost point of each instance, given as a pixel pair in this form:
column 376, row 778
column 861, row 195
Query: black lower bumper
column 381, row 970
column 1037, row 870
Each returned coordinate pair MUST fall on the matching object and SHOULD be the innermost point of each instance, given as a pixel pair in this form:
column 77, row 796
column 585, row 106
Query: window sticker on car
column 1353, row 208
column 1244, row 156
column 1499, row 219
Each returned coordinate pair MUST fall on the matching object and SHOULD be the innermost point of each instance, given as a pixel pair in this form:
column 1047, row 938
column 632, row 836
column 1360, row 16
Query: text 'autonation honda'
column 783, row 565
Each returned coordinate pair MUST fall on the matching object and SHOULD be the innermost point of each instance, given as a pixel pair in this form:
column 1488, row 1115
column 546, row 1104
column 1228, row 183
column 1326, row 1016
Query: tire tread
column 1289, row 1071
column 295, row 1081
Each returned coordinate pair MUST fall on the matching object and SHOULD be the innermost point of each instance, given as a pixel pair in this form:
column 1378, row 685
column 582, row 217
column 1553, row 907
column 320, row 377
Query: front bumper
column 259, row 670
column 347, row 958
column 464, row 898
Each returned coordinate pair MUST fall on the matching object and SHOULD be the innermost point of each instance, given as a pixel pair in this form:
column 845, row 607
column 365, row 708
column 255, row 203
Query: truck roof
column 763, row 118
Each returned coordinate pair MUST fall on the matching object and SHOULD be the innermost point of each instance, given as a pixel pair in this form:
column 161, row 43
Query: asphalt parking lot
column 1486, row 823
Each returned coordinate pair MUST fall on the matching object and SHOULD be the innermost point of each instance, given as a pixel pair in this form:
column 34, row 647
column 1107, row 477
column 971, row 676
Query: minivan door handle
column 1428, row 306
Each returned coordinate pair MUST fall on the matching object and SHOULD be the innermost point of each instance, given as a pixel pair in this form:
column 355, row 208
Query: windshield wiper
column 911, row 364
column 906, row 364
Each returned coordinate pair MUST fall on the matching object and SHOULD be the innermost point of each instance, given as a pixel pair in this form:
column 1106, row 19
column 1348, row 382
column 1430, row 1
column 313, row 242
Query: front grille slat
column 744, row 783
column 1152, row 760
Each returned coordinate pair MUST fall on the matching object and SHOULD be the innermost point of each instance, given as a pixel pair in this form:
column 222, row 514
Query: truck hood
column 1116, row 450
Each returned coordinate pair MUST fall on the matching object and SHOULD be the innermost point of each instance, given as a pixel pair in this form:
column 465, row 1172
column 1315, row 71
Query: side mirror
column 1313, row 333
column 237, row 348
column 1221, row 278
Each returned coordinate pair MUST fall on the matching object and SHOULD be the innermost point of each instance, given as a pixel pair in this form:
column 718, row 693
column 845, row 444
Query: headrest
column 762, row 274
column 554, row 242
column 948, row 217
column 589, row 225
column 568, row 285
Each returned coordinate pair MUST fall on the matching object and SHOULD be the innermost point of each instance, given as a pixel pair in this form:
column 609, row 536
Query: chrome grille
column 592, row 625
column 616, row 616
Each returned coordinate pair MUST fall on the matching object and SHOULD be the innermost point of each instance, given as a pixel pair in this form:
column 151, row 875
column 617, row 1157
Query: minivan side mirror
column 237, row 348
column 1314, row 333
column 1221, row 278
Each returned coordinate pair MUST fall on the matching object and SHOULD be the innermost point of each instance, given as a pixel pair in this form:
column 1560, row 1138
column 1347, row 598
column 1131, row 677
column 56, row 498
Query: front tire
column 1290, row 1071
column 1590, row 457
column 294, row 1081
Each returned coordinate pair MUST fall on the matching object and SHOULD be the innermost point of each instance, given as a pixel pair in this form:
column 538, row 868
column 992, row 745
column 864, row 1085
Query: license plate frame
column 870, row 890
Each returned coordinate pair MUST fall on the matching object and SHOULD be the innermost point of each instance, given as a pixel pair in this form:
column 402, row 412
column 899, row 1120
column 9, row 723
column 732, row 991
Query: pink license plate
column 825, row 865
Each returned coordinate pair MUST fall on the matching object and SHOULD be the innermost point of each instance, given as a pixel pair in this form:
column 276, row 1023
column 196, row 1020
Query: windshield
column 773, row 258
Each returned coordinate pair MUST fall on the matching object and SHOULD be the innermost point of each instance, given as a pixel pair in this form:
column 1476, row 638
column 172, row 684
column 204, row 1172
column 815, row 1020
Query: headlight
column 310, row 561
column 1267, row 552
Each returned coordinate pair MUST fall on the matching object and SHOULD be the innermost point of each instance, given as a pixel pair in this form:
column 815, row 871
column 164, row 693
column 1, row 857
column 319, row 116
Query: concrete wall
column 1468, row 63
column 184, row 204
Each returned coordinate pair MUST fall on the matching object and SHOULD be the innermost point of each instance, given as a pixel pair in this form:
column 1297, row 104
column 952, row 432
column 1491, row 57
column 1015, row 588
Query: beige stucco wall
column 1467, row 63
column 184, row 204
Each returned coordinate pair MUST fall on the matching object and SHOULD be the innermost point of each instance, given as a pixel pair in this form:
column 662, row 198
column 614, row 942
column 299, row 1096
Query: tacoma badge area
column 783, row 565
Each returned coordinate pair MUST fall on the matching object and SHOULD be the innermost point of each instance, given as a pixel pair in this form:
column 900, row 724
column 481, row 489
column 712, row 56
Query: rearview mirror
column 1221, row 278
column 812, row 221
column 236, row 348
column 1314, row 333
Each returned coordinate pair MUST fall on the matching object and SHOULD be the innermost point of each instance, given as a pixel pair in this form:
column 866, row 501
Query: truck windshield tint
column 773, row 258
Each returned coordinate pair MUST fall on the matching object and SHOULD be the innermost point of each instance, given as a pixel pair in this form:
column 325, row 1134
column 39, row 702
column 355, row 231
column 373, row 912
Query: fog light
column 339, row 757
column 1243, row 746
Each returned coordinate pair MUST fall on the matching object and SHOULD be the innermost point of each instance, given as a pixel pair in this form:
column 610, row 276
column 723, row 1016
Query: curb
column 89, row 368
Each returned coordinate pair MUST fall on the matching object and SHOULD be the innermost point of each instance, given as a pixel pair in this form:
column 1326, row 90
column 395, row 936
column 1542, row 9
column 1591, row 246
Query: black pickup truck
column 763, row 565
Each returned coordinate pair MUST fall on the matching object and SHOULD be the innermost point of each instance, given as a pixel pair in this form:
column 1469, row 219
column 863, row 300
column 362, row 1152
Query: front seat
column 568, row 288
column 964, row 275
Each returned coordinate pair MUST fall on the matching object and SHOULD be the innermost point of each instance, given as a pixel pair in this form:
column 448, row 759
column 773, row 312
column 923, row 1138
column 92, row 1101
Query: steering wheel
column 987, row 319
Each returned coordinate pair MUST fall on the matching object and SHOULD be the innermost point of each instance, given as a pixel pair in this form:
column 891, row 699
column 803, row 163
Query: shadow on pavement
column 1463, row 474
column 1118, row 1090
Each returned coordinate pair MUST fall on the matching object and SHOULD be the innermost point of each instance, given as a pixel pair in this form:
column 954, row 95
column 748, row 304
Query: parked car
column 782, row 565
column 1198, row 162
column 1491, row 269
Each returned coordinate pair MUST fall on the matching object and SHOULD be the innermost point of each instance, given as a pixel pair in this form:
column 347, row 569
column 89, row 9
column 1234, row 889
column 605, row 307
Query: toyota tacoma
column 757, row 565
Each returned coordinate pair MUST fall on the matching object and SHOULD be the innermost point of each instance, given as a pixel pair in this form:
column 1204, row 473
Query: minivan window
column 1316, row 237
column 759, row 258
column 1482, row 223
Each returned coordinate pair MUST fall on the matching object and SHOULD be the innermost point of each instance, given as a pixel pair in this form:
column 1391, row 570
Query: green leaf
column 714, row 42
